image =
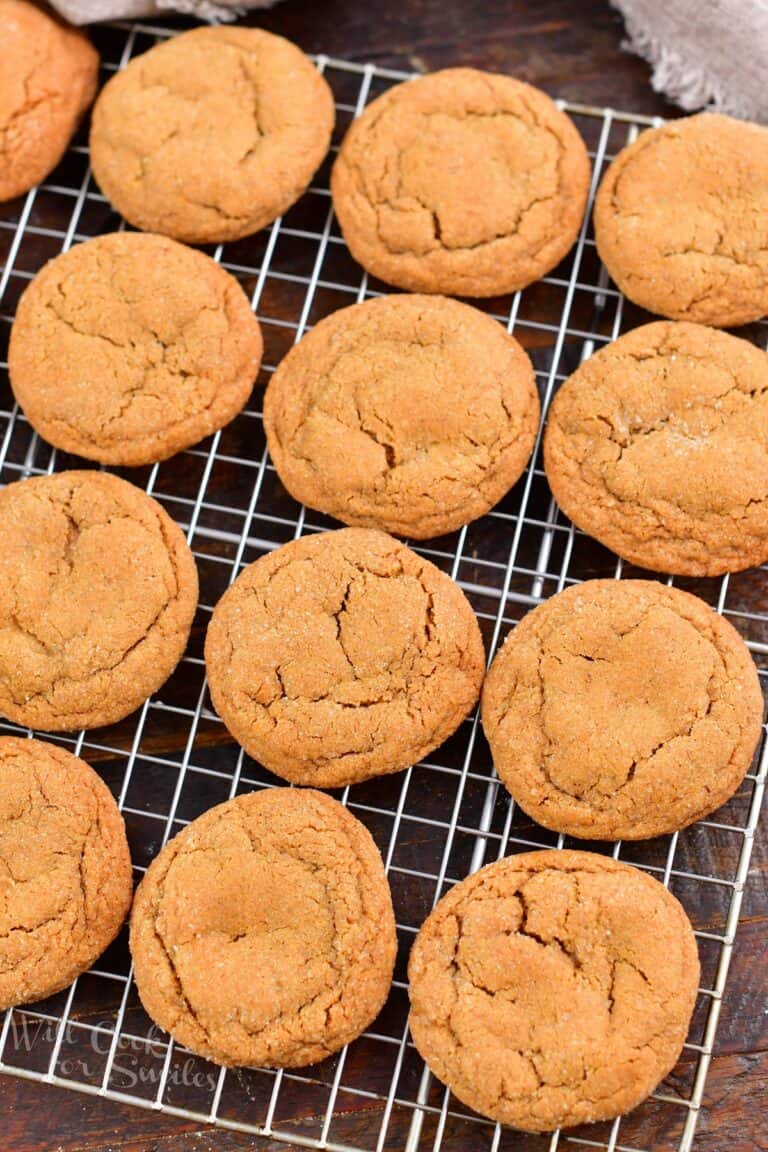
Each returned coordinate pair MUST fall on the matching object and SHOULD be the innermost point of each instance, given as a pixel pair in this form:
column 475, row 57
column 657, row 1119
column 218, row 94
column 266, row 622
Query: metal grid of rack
column 435, row 822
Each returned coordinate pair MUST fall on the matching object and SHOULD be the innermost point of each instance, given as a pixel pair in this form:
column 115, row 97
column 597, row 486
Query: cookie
column 463, row 182
column 282, row 895
column 98, row 588
column 131, row 347
column 212, row 134
column 681, row 220
column 343, row 656
column 656, row 447
column 65, row 880
column 553, row 988
column 48, row 79
column 414, row 414
column 622, row 710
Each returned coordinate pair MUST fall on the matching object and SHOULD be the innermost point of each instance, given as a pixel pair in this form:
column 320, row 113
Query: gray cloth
column 93, row 11
column 705, row 53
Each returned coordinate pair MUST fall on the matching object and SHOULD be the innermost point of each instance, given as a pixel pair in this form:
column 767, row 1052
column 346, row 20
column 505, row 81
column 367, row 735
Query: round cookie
column 98, row 589
column 343, row 656
column 656, row 447
column 212, row 134
column 48, row 79
column 681, row 220
column 553, row 988
column 463, row 182
column 414, row 414
column 282, row 894
column 65, row 879
column 622, row 710
column 130, row 347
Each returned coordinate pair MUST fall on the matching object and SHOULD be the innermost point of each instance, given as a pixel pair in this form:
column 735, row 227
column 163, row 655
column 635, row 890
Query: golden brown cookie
column 656, row 446
column 622, row 710
column 343, row 656
column 130, row 347
column 463, row 182
column 212, row 134
column 553, row 988
column 98, row 588
column 414, row 414
column 681, row 220
column 281, row 896
column 48, row 78
column 65, row 869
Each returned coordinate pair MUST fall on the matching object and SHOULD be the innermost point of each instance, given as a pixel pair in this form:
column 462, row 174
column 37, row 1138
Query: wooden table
column 572, row 49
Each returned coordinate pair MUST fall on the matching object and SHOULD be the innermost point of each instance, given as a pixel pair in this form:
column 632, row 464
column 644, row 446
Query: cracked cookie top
column 281, row 897
column 656, row 446
column 681, row 220
column 622, row 710
column 131, row 347
column 553, row 988
column 65, row 869
column 212, row 134
column 47, row 81
column 462, row 182
column 98, row 589
column 343, row 656
column 414, row 414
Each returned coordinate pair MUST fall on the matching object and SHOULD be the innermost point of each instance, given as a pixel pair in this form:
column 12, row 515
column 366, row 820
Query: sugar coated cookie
column 263, row 934
column 342, row 656
column 414, row 414
column 48, row 78
column 553, row 988
column 131, row 347
column 212, row 134
column 98, row 589
column 622, row 709
column 656, row 446
column 65, row 881
column 681, row 220
column 462, row 182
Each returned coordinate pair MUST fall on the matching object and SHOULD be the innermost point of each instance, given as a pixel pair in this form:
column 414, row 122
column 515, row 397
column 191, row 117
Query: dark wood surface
column 572, row 49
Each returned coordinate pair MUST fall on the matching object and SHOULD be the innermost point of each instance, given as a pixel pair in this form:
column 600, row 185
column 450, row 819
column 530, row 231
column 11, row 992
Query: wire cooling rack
column 434, row 823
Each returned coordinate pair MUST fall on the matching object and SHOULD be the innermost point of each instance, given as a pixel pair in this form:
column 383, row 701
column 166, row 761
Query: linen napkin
column 705, row 53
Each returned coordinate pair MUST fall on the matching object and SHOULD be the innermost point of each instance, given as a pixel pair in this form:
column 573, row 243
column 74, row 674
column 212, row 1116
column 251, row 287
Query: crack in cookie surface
column 553, row 988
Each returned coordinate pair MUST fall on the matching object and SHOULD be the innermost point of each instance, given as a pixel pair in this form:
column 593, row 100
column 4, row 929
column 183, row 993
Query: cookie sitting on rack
column 463, row 182
column 131, row 347
column 65, row 885
column 263, row 934
column 48, row 79
column 553, row 988
column 656, row 446
column 622, row 709
column 98, row 588
column 343, row 656
column 681, row 220
column 414, row 414
column 211, row 135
